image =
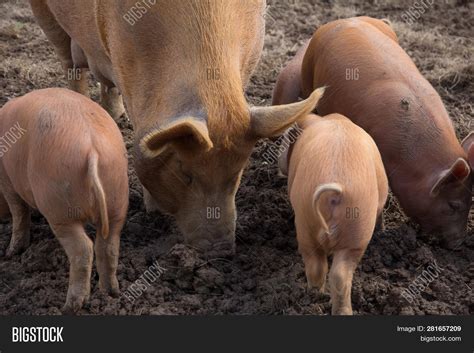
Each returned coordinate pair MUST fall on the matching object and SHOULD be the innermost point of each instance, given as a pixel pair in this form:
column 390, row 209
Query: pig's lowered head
column 191, row 166
column 445, row 212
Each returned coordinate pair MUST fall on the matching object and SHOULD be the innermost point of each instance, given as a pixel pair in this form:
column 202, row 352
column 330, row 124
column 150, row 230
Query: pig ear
column 458, row 173
column 187, row 132
column 274, row 120
column 468, row 145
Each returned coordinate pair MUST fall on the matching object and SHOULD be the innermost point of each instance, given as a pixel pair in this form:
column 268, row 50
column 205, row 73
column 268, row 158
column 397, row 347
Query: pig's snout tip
column 452, row 242
column 213, row 247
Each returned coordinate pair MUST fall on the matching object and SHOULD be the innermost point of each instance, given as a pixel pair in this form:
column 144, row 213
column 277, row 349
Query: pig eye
column 454, row 206
column 187, row 178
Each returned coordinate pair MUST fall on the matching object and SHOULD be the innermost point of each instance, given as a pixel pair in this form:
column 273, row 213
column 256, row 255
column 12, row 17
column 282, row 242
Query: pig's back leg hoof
column 340, row 279
column 111, row 100
column 107, row 254
column 21, row 224
column 79, row 251
column 316, row 268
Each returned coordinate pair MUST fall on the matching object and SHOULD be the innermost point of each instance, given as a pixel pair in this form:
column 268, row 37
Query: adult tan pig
column 372, row 81
column 338, row 188
column 68, row 161
column 181, row 68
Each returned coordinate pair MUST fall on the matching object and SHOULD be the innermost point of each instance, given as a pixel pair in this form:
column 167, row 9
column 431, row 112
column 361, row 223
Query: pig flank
column 337, row 194
column 182, row 69
column 390, row 99
column 70, row 164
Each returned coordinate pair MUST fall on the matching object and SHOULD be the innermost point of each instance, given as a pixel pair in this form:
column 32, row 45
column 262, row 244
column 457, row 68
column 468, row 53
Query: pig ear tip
column 317, row 94
column 321, row 90
column 145, row 148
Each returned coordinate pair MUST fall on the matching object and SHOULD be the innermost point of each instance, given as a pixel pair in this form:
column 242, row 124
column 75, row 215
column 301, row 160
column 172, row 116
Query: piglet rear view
column 338, row 187
column 68, row 161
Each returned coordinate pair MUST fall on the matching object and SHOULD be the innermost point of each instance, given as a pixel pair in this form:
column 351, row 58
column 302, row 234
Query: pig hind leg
column 79, row 251
column 21, row 218
column 107, row 254
column 316, row 269
column 340, row 280
column 315, row 260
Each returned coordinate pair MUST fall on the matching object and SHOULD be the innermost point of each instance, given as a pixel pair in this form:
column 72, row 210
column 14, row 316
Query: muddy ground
column 266, row 275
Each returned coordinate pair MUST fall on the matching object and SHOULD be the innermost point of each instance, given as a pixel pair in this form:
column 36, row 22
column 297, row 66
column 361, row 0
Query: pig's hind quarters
column 328, row 200
column 314, row 248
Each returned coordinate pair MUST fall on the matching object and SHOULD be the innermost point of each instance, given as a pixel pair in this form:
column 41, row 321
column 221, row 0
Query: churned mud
column 266, row 276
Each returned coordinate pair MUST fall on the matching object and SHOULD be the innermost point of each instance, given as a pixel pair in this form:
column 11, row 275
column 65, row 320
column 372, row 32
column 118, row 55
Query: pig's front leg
column 77, row 79
column 111, row 100
column 20, row 212
column 79, row 251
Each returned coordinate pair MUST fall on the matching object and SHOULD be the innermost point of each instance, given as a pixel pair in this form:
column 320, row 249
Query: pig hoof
column 316, row 285
column 114, row 292
column 342, row 311
column 72, row 307
column 110, row 289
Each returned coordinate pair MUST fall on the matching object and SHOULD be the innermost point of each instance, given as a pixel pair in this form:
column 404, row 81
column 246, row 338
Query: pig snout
column 215, row 243
column 219, row 241
column 449, row 237
column 212, row 231
column 453, row 241
column 452, row 238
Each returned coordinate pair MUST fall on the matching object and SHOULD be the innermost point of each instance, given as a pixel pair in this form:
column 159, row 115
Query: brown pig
column 182, row 68
column 338, row 188
column 65, row 157
column 371, row 80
